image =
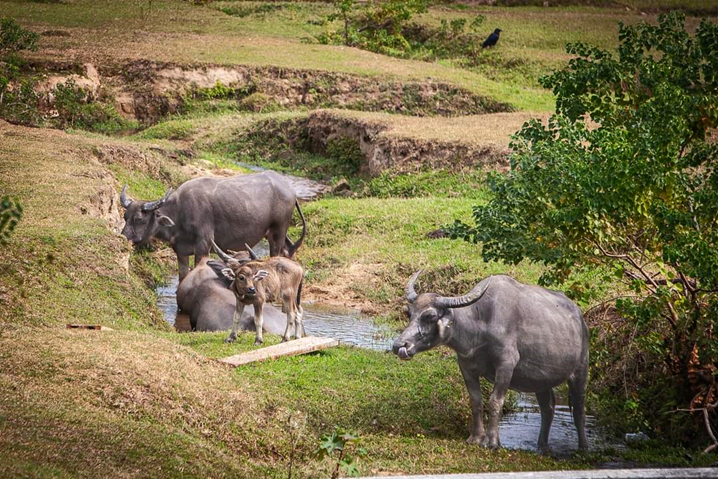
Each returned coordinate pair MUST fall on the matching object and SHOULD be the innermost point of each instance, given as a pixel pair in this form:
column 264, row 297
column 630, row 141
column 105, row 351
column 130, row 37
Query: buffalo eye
column 406, row 311
column 242, row 278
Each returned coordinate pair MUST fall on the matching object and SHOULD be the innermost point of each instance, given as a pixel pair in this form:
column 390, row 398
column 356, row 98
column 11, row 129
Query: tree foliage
column 622, row 180
column 388, row 27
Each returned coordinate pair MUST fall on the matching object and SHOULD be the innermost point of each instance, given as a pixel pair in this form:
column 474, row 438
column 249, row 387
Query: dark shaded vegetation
column 636, row 199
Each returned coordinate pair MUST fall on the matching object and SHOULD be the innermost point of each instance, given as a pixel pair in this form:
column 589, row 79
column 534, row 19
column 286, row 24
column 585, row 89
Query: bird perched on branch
column 492, row 40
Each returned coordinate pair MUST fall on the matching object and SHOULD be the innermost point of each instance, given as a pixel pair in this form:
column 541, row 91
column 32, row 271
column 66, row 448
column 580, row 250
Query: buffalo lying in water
column 210, row 305
column 517, row 336
column 234, row 211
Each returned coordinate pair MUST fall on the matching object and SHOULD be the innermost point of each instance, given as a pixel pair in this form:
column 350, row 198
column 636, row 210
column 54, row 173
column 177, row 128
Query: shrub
column 10, row 215
column 76, row 108
column 258, row 103
column 622, row 182
column 14, row 38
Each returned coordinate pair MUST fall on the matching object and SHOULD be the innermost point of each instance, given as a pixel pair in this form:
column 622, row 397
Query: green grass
column 373, row 245
column 169, row 130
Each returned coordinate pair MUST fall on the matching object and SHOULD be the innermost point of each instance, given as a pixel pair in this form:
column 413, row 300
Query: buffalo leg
column 473, row 385
column 258, row 324
column 183, row 262
column 290, row 323
column 547, row 404
column 238, row 312
column 300, row 333
column 276, row 242
column 504, row 373
column 577, row 395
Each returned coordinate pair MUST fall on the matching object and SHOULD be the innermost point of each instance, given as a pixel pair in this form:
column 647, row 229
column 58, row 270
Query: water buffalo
column 234, row 211
column 256, row 283
column 517, row 336
column 210, row 305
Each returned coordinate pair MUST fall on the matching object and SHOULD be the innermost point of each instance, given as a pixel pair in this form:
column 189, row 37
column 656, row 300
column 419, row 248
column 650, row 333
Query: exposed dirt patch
column 104, row 203
column 337, row 289
column 130, row 157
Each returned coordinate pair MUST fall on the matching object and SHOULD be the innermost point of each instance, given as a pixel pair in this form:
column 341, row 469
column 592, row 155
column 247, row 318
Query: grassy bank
column 151, row 402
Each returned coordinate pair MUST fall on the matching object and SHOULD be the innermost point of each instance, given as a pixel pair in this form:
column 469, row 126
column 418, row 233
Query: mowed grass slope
column 107, row 32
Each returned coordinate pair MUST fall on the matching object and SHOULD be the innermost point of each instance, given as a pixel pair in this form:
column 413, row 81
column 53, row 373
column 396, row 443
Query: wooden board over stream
column 305, row 345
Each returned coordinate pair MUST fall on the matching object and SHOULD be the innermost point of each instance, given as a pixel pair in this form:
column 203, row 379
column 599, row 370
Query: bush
column 10, row 215
column 18, row 102
column 623, row 182
column 258, row 103
column 14, row 38
column 387, row 28
column 76, row 108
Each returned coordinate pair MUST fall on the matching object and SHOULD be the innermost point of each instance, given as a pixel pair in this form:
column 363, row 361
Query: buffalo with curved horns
column 517, row 336
column 234, row 211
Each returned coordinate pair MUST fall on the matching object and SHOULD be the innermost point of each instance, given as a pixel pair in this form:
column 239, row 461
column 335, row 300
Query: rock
column 436, row 234
column 636, row 437
column 342, row 188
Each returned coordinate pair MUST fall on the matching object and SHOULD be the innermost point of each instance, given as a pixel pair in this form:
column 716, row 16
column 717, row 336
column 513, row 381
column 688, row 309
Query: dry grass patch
column 122, row 404
column 493, row 129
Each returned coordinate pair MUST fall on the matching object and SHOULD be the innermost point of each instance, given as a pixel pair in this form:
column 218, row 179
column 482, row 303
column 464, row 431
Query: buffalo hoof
column 480, row 440
column 258, row 342
column 230, row 339
column 493, row 444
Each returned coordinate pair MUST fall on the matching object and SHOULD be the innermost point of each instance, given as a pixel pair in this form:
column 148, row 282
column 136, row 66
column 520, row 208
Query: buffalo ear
column 260, row 275
column 222, row 272
column 165, row 221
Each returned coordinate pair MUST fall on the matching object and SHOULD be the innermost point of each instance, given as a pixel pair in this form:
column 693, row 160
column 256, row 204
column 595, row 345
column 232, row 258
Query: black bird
column 492, row 40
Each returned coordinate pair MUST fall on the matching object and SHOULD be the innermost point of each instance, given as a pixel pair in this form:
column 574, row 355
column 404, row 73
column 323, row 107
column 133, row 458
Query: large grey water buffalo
column 517, row 336
column 210, row 305
column 234, row 211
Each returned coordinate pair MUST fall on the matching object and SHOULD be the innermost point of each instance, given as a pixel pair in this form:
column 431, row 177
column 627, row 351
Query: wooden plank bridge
column 305, row 345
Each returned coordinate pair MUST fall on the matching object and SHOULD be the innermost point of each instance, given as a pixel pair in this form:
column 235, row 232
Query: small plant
column 337, row 445
column 258, row 103
column 18, row 102
column 10, row 215
column 14, row 38
column 78, row 108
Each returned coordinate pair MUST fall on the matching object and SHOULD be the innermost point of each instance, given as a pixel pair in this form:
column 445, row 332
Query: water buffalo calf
column 258, row 282
column 517, row 336
column 210, row 305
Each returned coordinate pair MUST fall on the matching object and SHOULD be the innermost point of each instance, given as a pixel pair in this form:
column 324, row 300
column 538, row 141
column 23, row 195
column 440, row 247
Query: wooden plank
column 305, row 345
column 96, row 327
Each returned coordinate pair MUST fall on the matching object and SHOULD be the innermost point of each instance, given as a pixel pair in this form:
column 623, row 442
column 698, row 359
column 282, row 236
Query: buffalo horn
column 153, row 205
column 123, row 197
column 225, row 257
column 410, row 291
column 461, row 301
column 251, row 252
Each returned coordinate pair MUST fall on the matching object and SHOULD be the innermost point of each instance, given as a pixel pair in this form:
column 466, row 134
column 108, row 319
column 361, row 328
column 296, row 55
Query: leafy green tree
column 622, row 182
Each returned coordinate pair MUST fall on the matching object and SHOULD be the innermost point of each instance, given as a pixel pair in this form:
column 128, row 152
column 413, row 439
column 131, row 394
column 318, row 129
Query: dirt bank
column 379, row 145
column 148, row 91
